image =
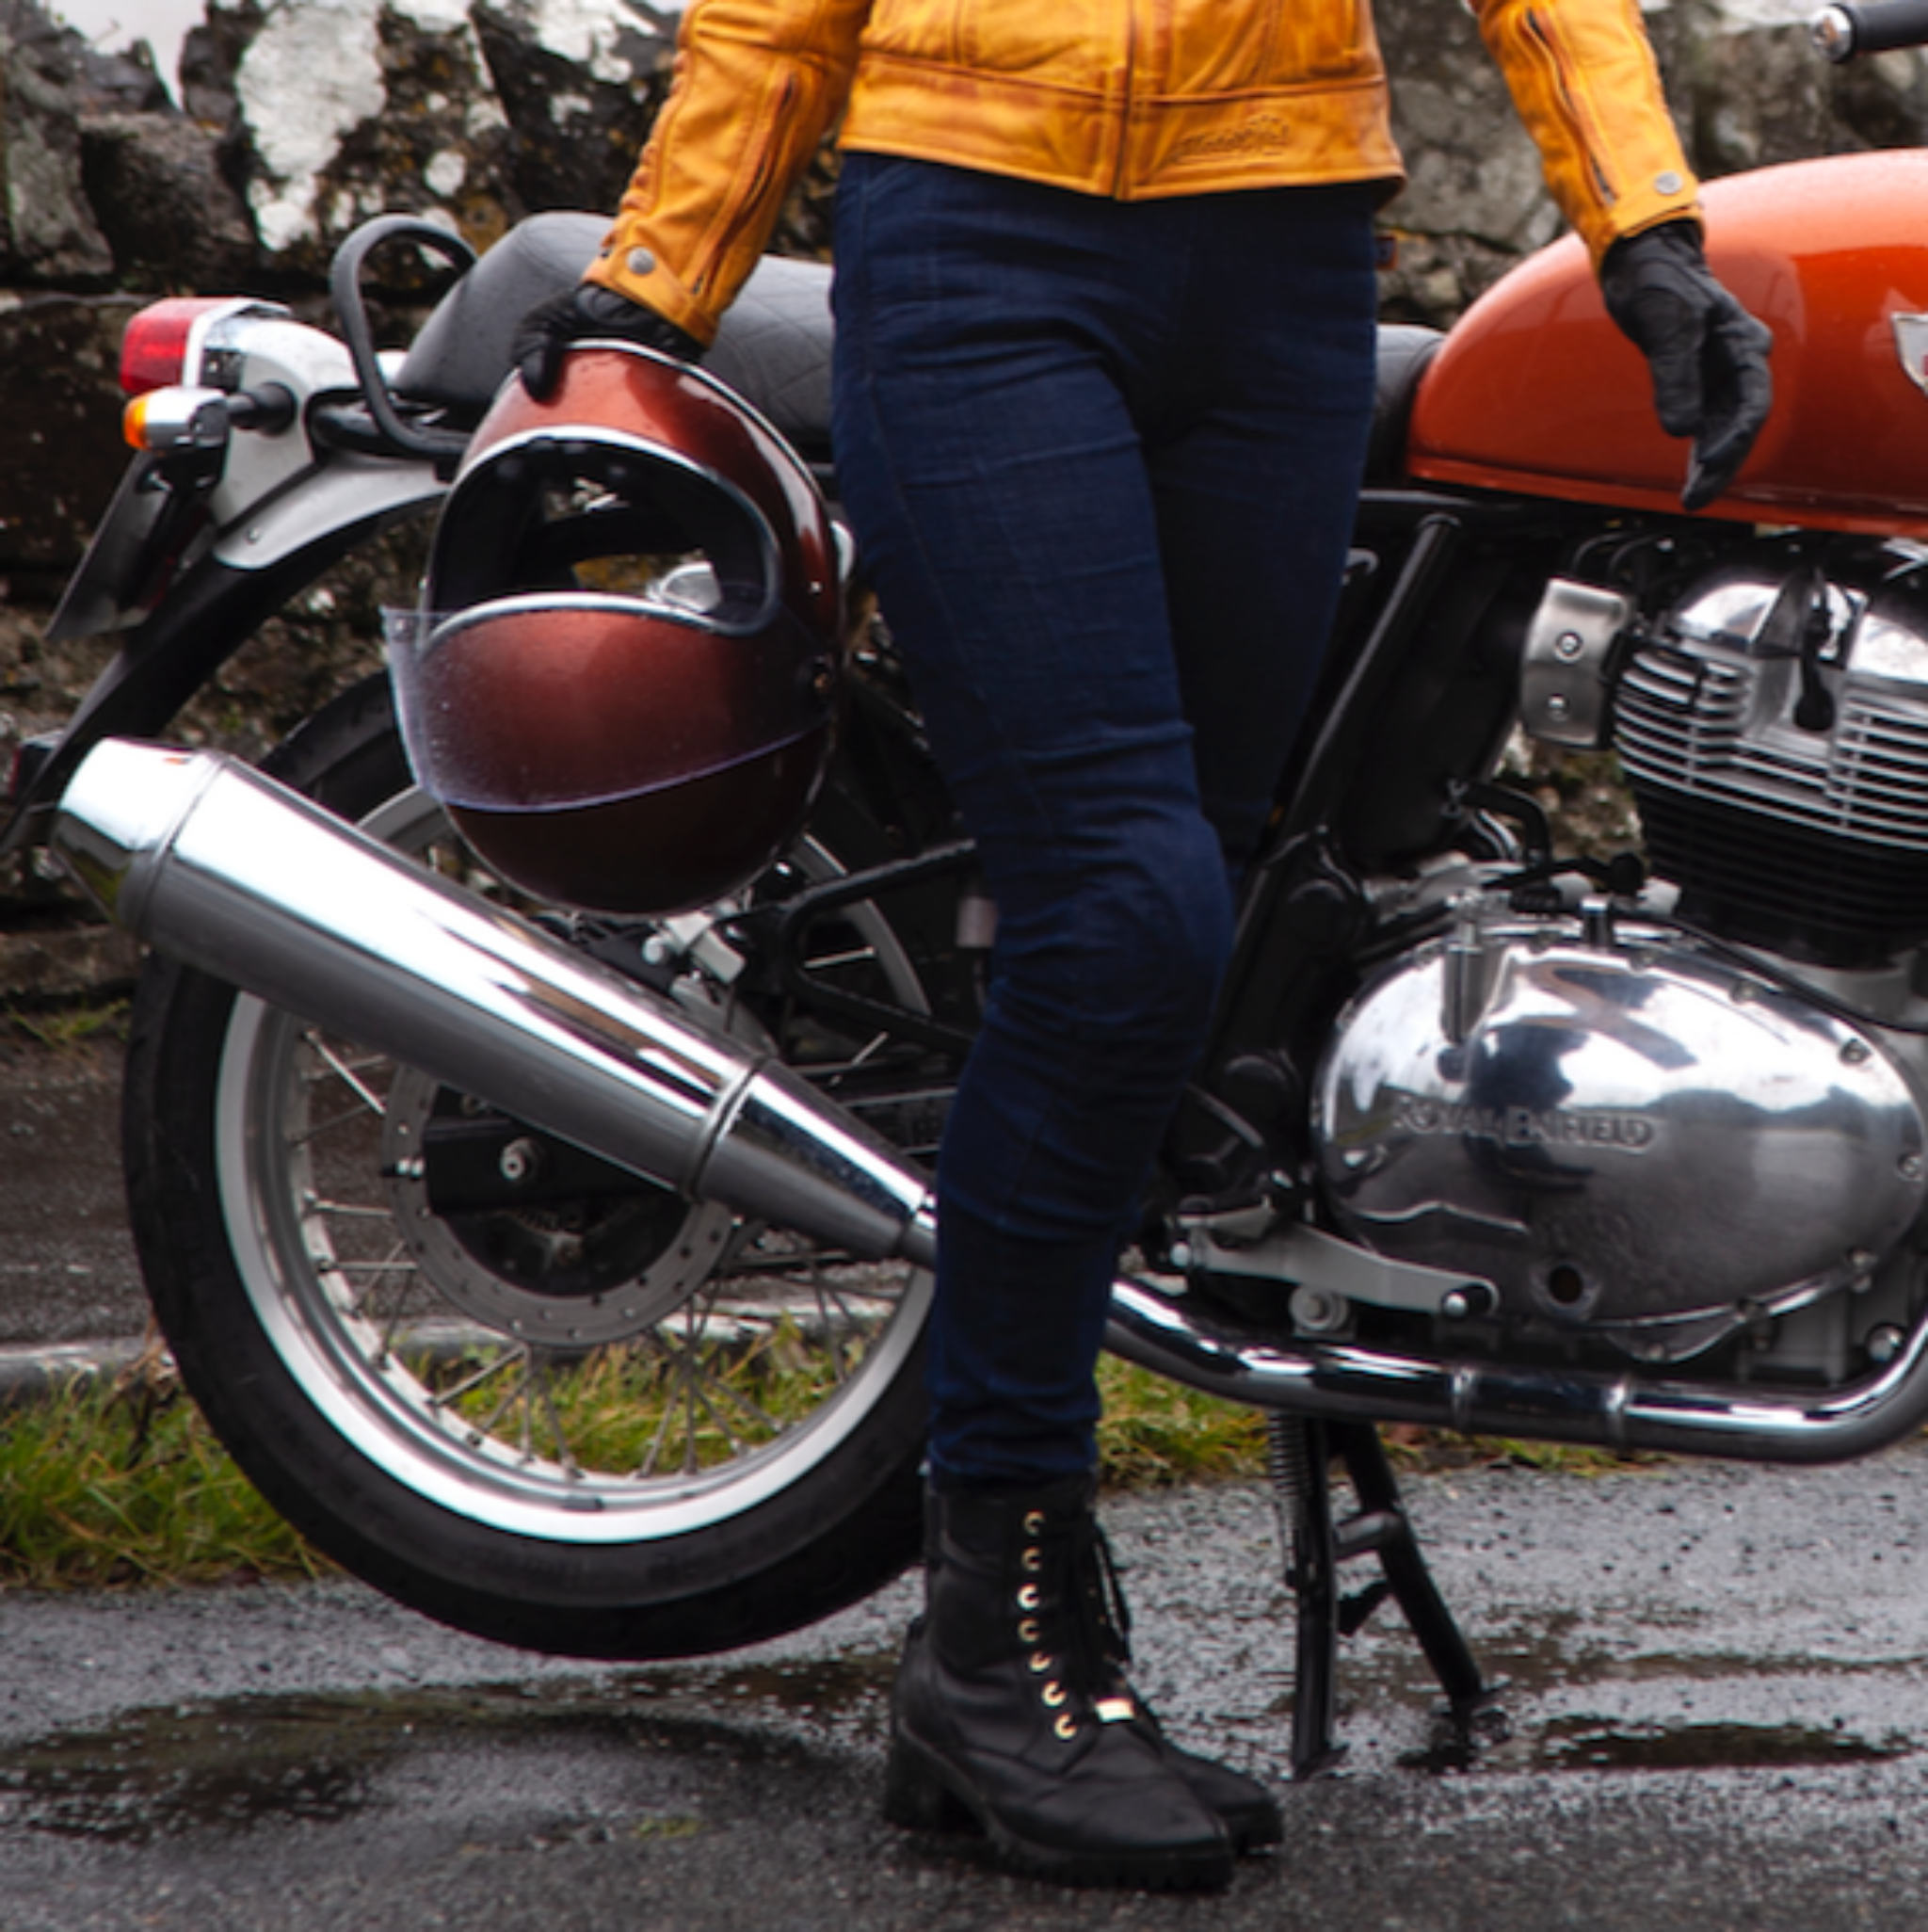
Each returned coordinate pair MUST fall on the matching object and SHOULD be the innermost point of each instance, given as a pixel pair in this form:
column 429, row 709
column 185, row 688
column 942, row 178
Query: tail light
column 167, row 342
column 180, row 374
column 160, row 345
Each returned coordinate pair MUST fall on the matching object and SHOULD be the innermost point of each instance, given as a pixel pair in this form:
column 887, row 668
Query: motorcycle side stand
column 1299, row 1457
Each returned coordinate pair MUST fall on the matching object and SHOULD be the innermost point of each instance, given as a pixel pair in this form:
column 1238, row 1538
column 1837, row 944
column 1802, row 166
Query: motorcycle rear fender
column 252, row 571
column 364, row 493
column 256, row 352
column 267, row 521
column 112, row 586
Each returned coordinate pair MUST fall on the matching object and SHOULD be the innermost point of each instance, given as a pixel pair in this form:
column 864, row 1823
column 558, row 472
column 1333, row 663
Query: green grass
column 109, row 1483
column 629, row 1408
column 118, row 1483
column 1156, row 1433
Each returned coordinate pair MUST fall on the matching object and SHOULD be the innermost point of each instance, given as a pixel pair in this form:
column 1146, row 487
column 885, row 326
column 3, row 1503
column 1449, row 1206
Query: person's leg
column 989, row 460
column 995, row 476
column 1028, row 454
column 1255, row 464
column 1102, row 460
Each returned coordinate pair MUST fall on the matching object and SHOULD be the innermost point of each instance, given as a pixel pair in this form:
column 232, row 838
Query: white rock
column 584, row 31
column 310, row 78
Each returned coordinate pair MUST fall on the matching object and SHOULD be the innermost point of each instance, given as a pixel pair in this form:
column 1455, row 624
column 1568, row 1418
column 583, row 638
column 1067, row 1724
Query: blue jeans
column 1102, row 459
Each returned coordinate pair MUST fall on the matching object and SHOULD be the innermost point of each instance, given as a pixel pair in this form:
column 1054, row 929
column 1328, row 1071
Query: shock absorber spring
column 1288, row 1465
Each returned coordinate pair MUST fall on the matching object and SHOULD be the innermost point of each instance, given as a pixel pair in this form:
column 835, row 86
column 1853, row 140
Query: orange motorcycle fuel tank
column 1536, row 391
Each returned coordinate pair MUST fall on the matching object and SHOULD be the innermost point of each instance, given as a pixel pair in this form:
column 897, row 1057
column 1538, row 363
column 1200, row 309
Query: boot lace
column 1102, row 1620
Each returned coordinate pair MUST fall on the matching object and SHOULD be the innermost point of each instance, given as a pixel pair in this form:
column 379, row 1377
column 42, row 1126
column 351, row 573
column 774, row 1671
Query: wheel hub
column 568, row 1273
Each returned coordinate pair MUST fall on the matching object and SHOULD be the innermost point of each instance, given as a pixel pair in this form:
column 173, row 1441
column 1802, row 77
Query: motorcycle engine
column 1659, row 1131
column 1775, row 732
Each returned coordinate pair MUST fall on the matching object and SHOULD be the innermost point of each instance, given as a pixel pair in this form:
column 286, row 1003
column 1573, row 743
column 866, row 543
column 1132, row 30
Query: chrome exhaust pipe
column 1342, row 1383
column 213, row 863
column 210, row 862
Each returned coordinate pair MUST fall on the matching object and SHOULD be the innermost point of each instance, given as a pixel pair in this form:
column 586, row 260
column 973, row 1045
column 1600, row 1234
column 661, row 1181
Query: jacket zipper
column 1592, row 145
column 744, row 206
column 1121, row 169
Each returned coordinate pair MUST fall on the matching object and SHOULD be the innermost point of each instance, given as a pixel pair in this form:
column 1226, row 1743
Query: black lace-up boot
column 1247, row 1811
column 1011, row 1711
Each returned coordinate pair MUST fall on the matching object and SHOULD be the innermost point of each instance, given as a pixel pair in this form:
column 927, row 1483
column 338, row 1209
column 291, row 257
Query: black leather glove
column 1707, row 354
column 584, row 312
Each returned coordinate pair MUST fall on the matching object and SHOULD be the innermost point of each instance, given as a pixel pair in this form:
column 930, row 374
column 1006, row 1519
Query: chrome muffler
column 210, row 862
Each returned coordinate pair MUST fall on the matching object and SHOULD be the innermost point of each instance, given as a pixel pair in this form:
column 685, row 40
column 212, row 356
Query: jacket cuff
column 1636, row 214
column 629, row 266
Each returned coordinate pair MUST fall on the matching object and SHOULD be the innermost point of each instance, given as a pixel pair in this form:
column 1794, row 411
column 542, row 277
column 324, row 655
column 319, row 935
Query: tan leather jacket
column 1136, row 99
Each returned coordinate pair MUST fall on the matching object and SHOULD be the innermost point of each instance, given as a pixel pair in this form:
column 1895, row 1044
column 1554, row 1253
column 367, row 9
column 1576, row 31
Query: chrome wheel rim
column 633, row 1405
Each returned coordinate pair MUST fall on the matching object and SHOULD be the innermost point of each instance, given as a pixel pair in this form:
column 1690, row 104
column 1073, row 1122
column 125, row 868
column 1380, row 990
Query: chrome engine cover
column 1624, row 1134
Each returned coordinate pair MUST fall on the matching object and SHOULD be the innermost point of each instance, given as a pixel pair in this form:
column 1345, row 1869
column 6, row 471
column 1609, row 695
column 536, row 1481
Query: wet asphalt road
column 1719, row 1720
column 1718, row 1712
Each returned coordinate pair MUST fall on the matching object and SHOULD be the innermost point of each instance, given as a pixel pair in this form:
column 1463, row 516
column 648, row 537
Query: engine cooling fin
column 1775, row 740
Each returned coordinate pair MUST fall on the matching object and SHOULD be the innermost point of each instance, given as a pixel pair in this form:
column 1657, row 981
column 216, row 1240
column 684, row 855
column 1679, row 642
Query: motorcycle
column 564, row 1275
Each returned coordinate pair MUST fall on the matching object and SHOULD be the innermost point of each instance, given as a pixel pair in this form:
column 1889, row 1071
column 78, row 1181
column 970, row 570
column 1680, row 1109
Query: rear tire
column 624, row 1428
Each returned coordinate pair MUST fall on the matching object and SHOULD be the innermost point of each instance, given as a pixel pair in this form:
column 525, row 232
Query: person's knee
column 1166, row 974
column 1149, row 935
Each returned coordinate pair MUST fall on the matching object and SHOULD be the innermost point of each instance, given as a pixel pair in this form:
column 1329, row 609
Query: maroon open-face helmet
column 623, row 680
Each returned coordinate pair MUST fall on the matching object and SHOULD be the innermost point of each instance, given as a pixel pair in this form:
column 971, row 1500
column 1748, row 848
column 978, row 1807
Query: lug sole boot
column 1008, row 1714
column 1248, row 1812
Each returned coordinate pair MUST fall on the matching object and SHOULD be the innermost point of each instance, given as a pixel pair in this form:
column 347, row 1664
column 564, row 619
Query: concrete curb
column 31, row 1375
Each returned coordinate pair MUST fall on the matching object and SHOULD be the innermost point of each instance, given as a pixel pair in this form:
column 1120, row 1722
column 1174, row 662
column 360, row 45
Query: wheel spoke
column 826, row 1298
column 830, row 962
column 700, row 1400
column 447, row 1398
column 564, row 1454
column 385, row 1353
column 518, row 1364
column 651, row 1459
column 701, row 1378
column 347, row 1074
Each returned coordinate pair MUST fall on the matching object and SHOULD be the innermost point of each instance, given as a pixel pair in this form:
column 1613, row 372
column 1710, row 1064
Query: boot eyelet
column 1033, row 1522
column 1027, row 1631
column 1067, row 1726
column 1028, row 1597
column 1054, row 1694
column 1040, row 1662
column 1033, row 1559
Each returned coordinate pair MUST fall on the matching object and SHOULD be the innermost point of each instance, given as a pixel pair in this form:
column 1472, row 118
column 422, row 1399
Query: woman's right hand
column 590, row 313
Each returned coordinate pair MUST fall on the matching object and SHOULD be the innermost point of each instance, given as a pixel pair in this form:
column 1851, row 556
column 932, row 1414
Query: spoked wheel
column 514, row 1387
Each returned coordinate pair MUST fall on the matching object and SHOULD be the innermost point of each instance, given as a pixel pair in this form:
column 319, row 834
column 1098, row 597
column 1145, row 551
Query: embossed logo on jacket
column 1262, row 135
